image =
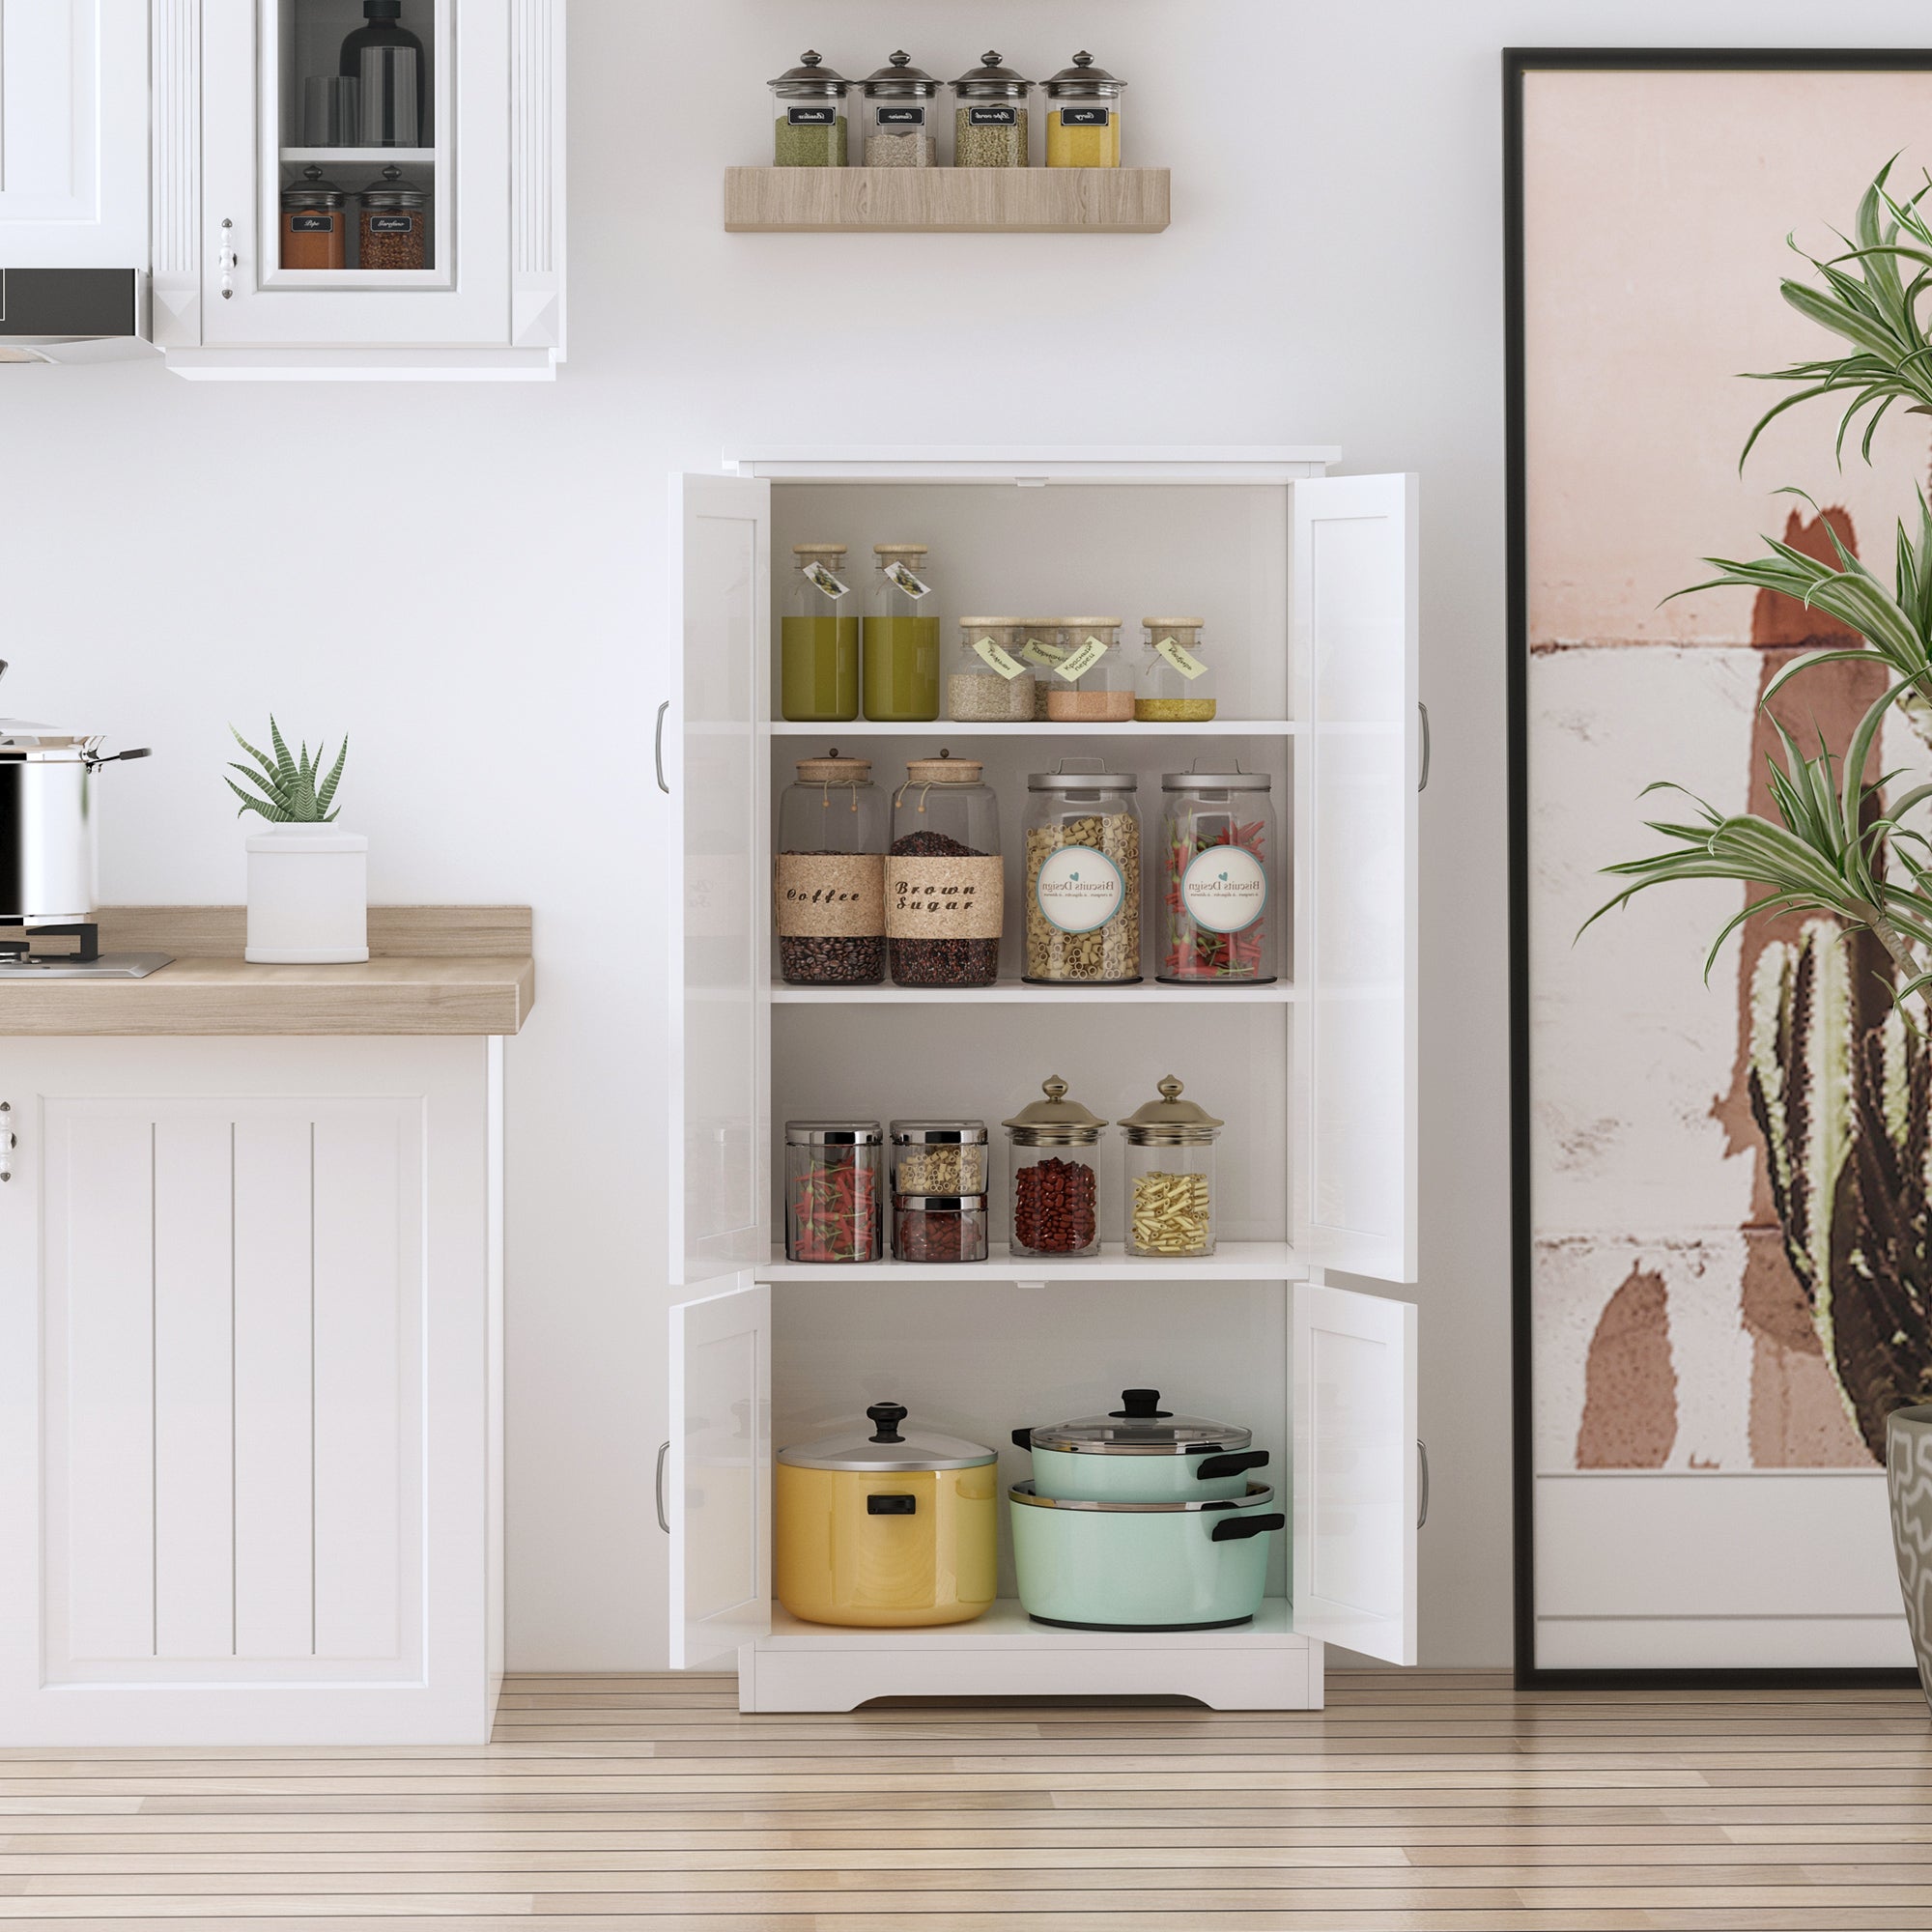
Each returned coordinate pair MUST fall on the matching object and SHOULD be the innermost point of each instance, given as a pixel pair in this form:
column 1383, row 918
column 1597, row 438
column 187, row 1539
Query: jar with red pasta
column 1222, row 911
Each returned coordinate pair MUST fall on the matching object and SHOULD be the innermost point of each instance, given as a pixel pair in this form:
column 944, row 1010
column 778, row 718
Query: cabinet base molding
column 1265, row 1666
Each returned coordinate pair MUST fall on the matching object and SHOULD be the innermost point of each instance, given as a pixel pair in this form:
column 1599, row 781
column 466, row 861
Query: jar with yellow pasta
column 1082, row 116
column 1170, row 1175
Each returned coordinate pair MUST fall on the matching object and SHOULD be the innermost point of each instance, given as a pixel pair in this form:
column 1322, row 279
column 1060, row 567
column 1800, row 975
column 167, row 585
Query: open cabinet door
column 718, row 1478
column 711, row 761
column 1357, row 1470
column 1358, row 768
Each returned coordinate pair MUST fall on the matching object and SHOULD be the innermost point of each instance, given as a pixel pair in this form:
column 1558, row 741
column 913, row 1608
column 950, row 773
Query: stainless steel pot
column 48, row 860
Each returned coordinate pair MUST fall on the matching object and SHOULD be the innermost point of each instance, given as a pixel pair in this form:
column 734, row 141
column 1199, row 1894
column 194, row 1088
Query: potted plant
column 308, row 884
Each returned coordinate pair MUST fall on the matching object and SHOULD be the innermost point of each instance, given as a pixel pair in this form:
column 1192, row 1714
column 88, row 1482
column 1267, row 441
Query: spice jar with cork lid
column 1176, row 682
column 1170, row 1175
column 315, row 223
column 809, row 98
column 989, row 682
column 1042, row 647
column 1053, row 1174
column 1082, row 116
column 394, row 228
column 899, row 114
column 944, row 889
column 1092, row 684
column 828, row 878
column 989, row 121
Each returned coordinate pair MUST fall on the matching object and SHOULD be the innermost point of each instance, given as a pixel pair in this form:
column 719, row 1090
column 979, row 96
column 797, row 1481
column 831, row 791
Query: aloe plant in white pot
column 308, row 884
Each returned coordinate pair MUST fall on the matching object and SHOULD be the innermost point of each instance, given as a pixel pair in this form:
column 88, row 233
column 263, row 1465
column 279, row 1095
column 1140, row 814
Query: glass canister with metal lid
column 944, row 885
column 834, row 1203
column 315, row 223
column 393, row 232
column 809, row 131
column 1221, row 911
column 1082, row 116
column 989, row 117
column 818, row 643
column 900, row 111
column 829, row 875
column 938, row 1157
column 1082, row 877
column 1170, row 1175
column 1054, row 1180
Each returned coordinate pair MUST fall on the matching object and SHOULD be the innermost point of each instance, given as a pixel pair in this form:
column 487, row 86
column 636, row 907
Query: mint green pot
column 1196, row 1565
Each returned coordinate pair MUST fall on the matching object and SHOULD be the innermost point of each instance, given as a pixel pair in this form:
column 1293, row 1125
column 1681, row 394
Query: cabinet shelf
column 1016, row 992
column 1007, row 1627
column 1043, row 729
column 374, row 157
column 948, row 201
column 1236, row 1261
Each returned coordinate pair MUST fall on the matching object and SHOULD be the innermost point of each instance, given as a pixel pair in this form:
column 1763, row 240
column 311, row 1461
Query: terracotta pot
column 1907, row 1471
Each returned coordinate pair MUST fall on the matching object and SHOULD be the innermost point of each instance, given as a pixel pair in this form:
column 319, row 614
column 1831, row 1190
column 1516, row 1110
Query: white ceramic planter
column 308, row 896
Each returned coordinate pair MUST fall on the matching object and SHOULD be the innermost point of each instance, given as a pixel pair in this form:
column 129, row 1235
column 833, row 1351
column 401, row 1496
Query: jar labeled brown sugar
column 395, row 224
column 315, row 223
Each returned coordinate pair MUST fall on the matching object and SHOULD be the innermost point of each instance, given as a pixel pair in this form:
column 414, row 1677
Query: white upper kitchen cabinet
column 472, row 135
column 74, row 133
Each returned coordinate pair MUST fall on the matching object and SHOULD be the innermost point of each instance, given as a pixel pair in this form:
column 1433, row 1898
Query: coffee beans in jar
column 828, row 878
column 1053, row 1154
column 394, row 228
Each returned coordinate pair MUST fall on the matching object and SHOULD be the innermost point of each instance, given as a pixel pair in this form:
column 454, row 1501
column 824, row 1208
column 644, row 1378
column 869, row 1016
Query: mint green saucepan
column 1141, row 1452
column 1142, row 1566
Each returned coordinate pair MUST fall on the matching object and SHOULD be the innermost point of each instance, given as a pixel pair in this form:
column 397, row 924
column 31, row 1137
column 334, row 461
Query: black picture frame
column 1518, row 63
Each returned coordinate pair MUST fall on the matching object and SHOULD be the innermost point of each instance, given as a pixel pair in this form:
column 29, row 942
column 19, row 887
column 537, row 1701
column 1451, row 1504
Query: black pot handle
column 1238, row 1528
column 888, row 1505
column 1023, row 1439
column 1233, row 1464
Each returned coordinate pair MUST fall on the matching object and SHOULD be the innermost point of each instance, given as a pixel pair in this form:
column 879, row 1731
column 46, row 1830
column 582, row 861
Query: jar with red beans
column 1054, row 1175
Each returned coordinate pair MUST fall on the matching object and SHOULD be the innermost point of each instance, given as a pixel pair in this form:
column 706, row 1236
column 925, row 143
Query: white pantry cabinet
column 1308, row 584
column 250, row 1366
column 232, row 131
column 74, row 133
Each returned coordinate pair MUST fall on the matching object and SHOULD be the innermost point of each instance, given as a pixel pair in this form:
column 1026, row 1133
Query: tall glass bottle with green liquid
column 819, row 647
column 901, row 636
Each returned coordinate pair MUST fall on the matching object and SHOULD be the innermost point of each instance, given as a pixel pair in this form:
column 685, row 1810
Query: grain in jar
column 1082, row 116
column 1092, row 684
column 988, row 682
column 989, row 117
column 809, row 131
column 1177, row 680
column 1082, row 877
column 899, row 106
column 1170, row 1175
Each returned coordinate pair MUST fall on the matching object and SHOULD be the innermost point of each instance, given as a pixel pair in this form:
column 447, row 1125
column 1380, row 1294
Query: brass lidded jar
column 1053, row 1175
column 1170, row 1175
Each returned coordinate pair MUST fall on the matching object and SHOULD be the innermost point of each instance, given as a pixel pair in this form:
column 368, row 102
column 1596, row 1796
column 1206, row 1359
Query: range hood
column 74, row 315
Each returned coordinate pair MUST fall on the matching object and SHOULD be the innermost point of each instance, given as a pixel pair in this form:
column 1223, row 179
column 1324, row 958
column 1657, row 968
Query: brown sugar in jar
column 315, row 223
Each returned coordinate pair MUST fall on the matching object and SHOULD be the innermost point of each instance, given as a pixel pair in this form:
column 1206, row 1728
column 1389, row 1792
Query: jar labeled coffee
column 1093, row 683
column 944, row 886
column 1170, row 1175
column 809, row 101
column 1082, row 877
column 1082, row 116
column 989, row 682
column 828, row 878
column 901, row 110
column 818, row 638
column 1176, row 682
column 900, row 644
column 989, row 120
column 1221, row 910
column 1053, row 1150
column 315, row 223
column 394, row 229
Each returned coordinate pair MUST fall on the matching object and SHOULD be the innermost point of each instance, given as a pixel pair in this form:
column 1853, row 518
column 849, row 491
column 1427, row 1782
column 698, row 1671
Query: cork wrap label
column 944, row 898
column 829, row 895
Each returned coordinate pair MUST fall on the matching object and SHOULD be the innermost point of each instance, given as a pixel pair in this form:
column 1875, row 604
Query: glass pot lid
column 312, row 192
column 1084, row 77
column 1139, row 1427
column 991, row 81
column 393, row 192
column 888, row 1448
column 899, row 80
column 811, row 79
column 1170, row 1121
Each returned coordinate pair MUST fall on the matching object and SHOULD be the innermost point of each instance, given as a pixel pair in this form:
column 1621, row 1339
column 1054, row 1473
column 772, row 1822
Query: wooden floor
column 1418, row 1799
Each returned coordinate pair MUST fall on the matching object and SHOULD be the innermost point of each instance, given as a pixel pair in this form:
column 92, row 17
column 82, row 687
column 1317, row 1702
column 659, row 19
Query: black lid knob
column 1140, row 1405
column 888, row 1415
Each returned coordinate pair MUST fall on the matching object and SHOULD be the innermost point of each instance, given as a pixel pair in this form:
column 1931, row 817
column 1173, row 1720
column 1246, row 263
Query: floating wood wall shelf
column 947, row 201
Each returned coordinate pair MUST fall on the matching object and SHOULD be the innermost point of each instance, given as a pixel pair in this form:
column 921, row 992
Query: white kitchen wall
column 469, row 580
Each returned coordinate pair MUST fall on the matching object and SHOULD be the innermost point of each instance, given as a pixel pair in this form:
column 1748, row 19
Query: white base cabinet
column 1308, row 584
column 250, row 1391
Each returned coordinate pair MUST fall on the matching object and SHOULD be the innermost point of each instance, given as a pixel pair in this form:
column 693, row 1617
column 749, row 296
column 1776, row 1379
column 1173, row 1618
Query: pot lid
column 1083, row 78
column 18, row 732
column 312, row 192
column 899, row 78
column 1141, row 1426
column 1055, row 1111
column 991, row 79
column 393, row 192
column 945, row 769
column 833, row 770
column 888, row 1448
column 810, row 76
column 1170, row 1113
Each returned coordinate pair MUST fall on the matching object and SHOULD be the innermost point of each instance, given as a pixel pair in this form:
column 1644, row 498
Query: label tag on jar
column 1045, row 656
column 944, row 898
column 314, row 224
column 897, row 572
column 821, row 578
column 992, row 117
column 1086, row 117
column 1224, row 889
column 828, row 894
column 812, row 117
column 900, row 117
column 1078, row 888
column 1081, row 660
column 392, row 224
column 1190, row 668
column 1008, row 666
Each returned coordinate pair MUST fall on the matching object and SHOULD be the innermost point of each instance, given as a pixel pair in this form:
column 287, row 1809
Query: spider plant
column 288, row 787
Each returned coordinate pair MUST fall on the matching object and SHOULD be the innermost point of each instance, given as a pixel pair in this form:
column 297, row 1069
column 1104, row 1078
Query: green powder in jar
column 819, row 146
column 996, row 147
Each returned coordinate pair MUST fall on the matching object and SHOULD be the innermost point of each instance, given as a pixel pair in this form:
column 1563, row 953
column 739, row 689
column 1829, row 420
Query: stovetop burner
column 22, row 953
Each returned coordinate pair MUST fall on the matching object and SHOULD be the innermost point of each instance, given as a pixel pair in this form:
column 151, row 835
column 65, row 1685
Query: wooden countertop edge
column 207, row 997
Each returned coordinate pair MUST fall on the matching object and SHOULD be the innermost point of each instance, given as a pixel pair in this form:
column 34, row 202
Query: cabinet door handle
column 1422, row 783
column 228, row 261
column 663, row 1522
column 9, row 1140
column 1422, row 1460
column 658, row 747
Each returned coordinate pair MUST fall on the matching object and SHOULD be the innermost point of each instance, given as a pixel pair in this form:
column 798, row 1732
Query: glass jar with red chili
column 832, row 1199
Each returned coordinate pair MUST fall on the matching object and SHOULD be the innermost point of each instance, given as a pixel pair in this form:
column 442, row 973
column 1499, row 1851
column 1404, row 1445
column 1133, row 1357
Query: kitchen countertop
column 431, row 970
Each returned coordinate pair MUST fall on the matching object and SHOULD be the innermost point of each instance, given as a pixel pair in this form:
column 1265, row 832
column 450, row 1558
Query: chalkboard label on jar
column 902, row 117
column 392, row 224
column 812, row 117
column 313, row 224
column 1086, row 117
column 992, row 117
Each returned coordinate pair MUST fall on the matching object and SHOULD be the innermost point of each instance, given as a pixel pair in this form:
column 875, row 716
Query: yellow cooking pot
column 886, row 1530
